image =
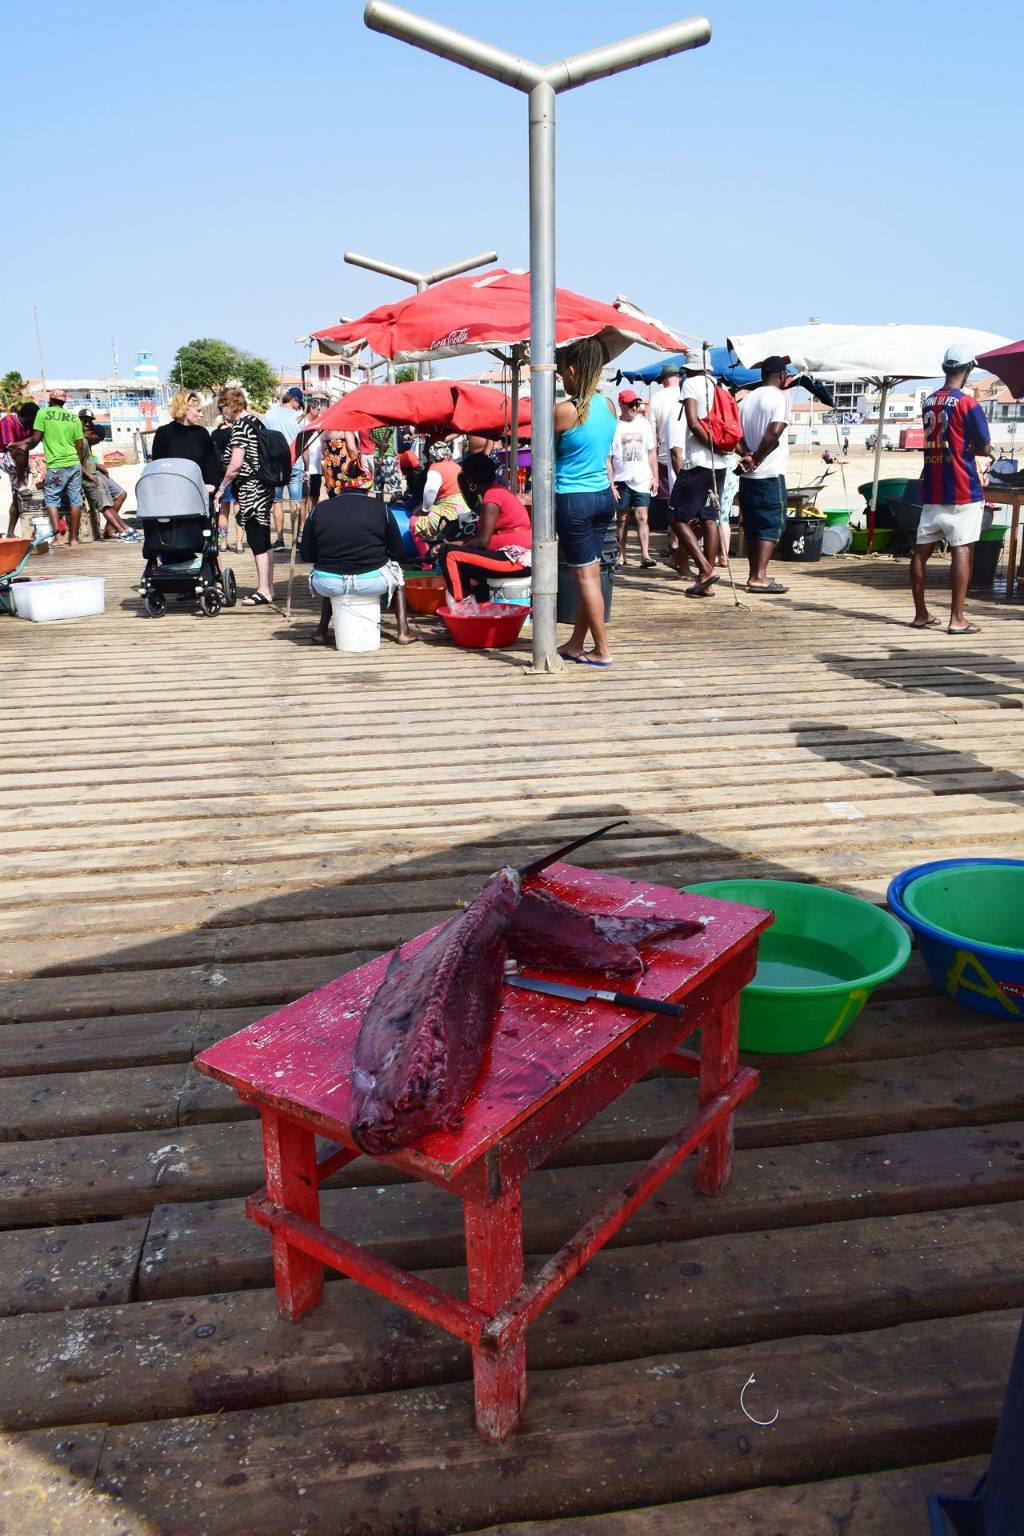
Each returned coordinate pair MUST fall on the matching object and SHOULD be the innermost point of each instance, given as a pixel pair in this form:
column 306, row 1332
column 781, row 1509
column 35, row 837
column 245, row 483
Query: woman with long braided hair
column 584, row 502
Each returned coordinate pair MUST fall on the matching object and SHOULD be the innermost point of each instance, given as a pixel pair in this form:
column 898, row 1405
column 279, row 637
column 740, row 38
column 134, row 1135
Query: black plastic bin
column 987, row 554
column 566, row 609
column 801, row 539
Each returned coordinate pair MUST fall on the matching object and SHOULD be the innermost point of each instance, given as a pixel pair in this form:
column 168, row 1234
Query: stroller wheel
column 209, row 602
column 230, row 585
column 156, row 604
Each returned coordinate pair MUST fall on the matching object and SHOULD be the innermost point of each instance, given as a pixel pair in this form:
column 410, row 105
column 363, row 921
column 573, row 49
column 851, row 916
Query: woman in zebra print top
column 255, row 500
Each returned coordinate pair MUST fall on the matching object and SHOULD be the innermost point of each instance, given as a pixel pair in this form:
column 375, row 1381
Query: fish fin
column 529, row 870
column 395, row 958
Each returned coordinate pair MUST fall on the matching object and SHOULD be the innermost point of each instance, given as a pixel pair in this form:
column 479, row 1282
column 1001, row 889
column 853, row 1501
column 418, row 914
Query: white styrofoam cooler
column 62, row 597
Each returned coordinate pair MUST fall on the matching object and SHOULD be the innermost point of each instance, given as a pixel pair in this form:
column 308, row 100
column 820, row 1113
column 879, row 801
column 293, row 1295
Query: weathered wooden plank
column 800, row 1104
column 408, row 1463
column 80, row 1103
column 211, row 1246
column 160, row 1359
column 46, row 1269
column 876, row 1504
column 115, row 1040
column 47, row 1486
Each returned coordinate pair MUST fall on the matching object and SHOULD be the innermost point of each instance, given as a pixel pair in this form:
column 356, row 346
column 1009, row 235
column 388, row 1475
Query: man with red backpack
column 702, row 440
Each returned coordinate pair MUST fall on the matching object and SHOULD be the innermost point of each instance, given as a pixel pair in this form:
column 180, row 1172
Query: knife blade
column 585, row 994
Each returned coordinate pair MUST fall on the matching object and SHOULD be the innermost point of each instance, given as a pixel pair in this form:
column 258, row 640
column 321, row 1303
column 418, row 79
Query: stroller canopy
column 172, row 488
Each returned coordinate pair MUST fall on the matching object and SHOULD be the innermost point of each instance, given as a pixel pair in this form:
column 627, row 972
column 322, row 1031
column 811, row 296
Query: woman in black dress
column 185, row 437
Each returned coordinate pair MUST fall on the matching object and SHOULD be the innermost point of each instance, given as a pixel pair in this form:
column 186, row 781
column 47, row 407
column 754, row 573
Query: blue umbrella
column 724, row 365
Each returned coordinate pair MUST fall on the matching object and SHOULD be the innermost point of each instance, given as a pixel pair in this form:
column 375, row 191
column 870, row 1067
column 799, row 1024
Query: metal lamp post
column 419, row 280
column 541, row 83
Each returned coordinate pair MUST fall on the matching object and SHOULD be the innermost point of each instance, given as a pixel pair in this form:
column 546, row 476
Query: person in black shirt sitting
column 353, row 543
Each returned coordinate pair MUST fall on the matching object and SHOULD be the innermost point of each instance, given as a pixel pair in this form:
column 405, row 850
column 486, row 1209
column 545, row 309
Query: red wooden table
column 552, row 1066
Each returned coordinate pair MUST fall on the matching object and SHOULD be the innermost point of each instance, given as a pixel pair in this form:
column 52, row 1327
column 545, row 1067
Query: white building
column 128, row 406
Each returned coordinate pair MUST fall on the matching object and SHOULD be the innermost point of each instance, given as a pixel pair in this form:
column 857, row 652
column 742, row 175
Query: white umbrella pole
column 882, row 401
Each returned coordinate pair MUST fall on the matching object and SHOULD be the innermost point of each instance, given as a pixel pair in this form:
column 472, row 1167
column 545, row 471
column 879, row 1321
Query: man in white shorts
column 955, row 432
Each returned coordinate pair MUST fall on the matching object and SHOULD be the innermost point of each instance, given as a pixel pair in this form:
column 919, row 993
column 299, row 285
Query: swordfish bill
column 428, row 1025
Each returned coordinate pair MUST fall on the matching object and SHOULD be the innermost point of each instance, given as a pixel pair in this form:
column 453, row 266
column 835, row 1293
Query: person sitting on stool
column 500, row 546
column 353, row 543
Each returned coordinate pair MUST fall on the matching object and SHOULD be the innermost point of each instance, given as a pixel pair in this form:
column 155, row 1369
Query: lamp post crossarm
column 446, row 43
column 386, row 268
column 613, row 58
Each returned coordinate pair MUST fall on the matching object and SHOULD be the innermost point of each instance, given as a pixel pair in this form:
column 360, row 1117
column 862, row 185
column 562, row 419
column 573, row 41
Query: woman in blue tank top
column 584, row 503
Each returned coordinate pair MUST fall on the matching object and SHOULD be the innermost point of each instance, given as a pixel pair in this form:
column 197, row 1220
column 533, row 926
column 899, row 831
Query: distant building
column 128, row 406
column 333, row 376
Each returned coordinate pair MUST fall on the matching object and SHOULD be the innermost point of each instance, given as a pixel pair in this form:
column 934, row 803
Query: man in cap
column 764, row 458
column 698, row 471
column 60, row 432
column 286, row 418
column 634, row 474
column 664, row 406
column 955, row 432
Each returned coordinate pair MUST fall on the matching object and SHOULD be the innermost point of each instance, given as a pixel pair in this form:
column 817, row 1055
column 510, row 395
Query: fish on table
column 426, row 1030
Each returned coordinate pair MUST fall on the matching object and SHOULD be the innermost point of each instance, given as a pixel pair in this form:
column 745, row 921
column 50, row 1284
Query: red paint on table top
column 300, row 1058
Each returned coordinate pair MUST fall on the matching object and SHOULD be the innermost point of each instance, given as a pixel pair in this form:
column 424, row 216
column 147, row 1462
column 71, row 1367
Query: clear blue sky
column 198, row 169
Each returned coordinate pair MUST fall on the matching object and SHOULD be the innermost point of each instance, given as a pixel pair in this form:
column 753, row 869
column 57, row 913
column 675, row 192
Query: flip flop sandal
column 564, row 656
column 929, row 625
column 971, row 629
column 773, row 588
column 591, row 661
column 256, row 600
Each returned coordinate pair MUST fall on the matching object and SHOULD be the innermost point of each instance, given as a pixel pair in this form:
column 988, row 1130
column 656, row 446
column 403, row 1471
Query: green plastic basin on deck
column 838, row 516
column 816, row 966
column 983, row 904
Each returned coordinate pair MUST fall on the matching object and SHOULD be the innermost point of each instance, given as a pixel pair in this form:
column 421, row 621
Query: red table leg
column 289, row 1155
column 494, row 1260
column 719, row 1058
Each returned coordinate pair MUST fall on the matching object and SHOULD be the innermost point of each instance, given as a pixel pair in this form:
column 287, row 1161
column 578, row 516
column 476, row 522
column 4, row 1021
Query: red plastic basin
column 489, row 632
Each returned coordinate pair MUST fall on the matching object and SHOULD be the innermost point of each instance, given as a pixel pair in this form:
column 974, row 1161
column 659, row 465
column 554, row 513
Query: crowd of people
column 687, row 449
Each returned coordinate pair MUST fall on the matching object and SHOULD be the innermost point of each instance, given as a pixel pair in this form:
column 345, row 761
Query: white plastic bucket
column 510, row 589
column 64, row 597
column 356, row 622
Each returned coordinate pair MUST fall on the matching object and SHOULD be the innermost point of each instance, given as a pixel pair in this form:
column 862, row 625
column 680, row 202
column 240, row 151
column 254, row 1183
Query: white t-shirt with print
column 700, row 388
column 757, row 412
column 631, row 453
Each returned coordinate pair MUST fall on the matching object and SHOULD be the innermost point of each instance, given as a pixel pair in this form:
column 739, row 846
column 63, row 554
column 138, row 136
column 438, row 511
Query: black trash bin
column 801, row 539
column 566, row 608
column 987, row 553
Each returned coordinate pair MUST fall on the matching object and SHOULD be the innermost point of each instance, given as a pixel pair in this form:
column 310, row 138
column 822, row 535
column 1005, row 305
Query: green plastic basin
column 837, row 516
column 816, row 966
column 983, row 904
column 859, row 540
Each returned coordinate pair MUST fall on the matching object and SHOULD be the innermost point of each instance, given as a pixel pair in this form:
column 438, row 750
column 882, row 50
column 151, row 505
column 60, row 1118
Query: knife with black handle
column 585, row 994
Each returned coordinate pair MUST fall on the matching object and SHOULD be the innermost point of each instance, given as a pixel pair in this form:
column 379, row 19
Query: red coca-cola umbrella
column 431, row 405
column 484, row 312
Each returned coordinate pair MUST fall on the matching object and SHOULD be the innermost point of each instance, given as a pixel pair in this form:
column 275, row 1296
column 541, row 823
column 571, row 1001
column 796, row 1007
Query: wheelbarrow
column 14, row 555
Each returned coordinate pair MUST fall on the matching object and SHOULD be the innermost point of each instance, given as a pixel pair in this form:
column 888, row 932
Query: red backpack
column 722, row 423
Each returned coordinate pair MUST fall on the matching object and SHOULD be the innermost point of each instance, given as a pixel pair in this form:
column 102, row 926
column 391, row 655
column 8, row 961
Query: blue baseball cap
column 295, row 393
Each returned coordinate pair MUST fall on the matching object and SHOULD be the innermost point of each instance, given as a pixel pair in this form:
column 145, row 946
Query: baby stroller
column 180, row 539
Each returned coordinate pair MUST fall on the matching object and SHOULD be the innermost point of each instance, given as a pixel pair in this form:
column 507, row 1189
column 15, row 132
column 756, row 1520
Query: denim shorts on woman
column 763, row 507
column 581, row 521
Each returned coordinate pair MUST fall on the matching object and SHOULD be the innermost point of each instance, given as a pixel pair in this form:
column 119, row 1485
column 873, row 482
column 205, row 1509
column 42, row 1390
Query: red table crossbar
column 552, row 1067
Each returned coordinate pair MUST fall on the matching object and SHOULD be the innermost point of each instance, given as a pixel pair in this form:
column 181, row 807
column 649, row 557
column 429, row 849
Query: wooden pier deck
column 204, row 819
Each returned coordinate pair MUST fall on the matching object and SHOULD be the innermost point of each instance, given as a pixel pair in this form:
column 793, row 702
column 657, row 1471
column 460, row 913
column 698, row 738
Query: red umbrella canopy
column 1007, row 363
column 442, row 405
column 477, row 314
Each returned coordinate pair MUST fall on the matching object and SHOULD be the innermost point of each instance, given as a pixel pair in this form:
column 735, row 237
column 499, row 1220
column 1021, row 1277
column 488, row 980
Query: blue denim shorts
column 294, row 486
column 60, row 480
column 327, row 584
column 581, row 522
column 630, row 499
column 763, row 507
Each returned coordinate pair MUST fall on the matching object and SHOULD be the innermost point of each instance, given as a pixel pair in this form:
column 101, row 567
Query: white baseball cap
column 958, row 355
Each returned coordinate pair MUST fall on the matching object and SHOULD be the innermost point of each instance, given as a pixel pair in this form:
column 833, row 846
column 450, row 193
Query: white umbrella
column 884, row 355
